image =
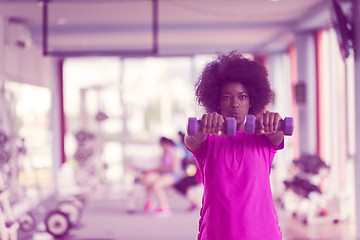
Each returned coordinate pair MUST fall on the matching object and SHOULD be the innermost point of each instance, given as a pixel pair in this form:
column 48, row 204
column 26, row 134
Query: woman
column 237, row 200
column 158, row 179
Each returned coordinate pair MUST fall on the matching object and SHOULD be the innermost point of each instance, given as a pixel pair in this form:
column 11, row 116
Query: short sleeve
column 280, row 147
column 200, row 154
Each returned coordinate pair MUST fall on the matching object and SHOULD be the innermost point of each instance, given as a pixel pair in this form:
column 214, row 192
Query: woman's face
column 235, row 102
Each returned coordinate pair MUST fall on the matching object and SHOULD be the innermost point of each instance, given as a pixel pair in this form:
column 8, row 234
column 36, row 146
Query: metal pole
column 356, row 29
column 155, row 25
column 45, row 28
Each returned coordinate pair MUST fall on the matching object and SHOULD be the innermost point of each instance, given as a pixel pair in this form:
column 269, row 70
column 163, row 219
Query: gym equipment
column 80, row 199
column 57, row 223
column 3, row 138
column 301, row 186
column 313, row 204
column 27, row 222
column 59, row 220
column 286, row 125
column 8, row 225
column 65, row 215
column 228, row 127
column 73, row 211
column 82, row 136
column 309, row 166
column 4, row 156
column 101, row 116
column 82, row 154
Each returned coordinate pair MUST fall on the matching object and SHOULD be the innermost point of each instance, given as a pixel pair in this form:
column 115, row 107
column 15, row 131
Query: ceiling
column 162, row 27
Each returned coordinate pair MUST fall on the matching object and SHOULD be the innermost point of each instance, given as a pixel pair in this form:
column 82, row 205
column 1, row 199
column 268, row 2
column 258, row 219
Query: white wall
column 280, row 77
column 305, row 45
column 26, row 63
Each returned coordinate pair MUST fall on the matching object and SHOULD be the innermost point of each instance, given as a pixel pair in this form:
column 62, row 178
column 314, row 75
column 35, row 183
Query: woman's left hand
column 268, row 123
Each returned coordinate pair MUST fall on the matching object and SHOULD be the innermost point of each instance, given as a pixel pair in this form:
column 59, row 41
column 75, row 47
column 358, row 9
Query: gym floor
column 106, row 217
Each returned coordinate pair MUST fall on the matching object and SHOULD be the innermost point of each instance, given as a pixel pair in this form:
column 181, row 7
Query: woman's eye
column 243, row 97
column 226, row 97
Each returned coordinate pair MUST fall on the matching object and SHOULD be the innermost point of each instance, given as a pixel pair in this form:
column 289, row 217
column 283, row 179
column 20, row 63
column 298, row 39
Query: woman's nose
column 235, row 102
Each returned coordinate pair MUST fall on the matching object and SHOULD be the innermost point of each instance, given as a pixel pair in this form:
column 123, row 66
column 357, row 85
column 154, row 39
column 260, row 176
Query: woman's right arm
column 210, row 124
column 193, row 143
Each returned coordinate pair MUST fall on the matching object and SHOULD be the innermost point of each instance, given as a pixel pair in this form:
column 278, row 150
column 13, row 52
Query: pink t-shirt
column 237, row 200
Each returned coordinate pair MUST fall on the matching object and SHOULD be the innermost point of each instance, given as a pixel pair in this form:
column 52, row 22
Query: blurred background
column 88, row 87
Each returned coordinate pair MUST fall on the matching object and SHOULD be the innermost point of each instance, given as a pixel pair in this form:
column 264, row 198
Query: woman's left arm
column 268, row 124
column 276, row 138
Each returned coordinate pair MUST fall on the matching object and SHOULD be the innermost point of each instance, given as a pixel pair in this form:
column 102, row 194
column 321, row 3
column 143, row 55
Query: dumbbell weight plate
column 230, row 126
column 27, row 222
column 250, row 124
column 193, row 126
column 82, row 155
column 82, row 176
column 76, row 201
column 81, row 198
column 4, row 156
column 3, row 138
column 57, row 223
column 101, row 116
column 288, row 127
column 74, row 212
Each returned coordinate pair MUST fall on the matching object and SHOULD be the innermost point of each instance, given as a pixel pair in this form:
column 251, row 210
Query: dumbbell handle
column 286, row 125
column 228, row 127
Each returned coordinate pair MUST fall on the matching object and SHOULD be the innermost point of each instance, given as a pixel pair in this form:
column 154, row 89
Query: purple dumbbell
column 228, row 127
column 286, row 125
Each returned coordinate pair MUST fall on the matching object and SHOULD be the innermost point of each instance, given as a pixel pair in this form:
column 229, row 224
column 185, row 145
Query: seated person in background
column 188, row 185
column 165, row 175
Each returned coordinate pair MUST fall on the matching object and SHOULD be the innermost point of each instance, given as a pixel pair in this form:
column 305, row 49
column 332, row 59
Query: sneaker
column 162, row 212
column 147, row 207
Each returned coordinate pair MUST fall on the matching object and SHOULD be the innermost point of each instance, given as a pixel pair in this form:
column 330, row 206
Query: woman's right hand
column 211, row 123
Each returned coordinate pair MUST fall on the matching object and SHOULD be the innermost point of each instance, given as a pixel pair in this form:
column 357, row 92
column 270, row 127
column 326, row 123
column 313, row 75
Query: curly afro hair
column 233, row 67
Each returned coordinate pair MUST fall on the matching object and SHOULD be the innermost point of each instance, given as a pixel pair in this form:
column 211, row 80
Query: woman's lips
column 235, row 115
